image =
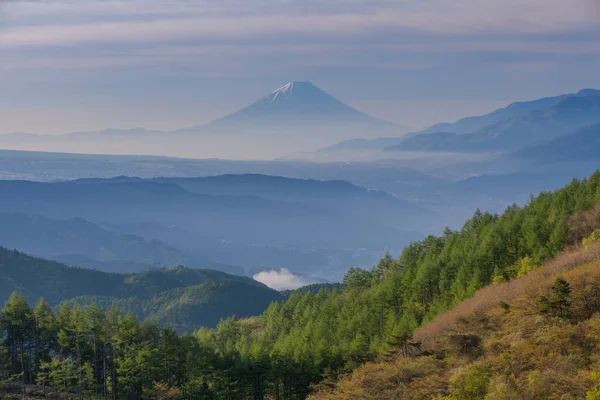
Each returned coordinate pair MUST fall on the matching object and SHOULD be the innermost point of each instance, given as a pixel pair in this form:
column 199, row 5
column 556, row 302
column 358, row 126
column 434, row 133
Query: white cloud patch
column 282, row 279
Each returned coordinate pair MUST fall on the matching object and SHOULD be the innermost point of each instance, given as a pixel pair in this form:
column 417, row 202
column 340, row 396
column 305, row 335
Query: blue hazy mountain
column 80, row 242
column 102, row 134
column 513, row 110
column 292, row 105
column 364, row 144
column 582, row 145
column 116, row 133
column 435, row 141
column 324, row 197
column 296, row 117
column 247, row 220
column 295, row 104
column 276, row 187
column 567, row 114
column 516, row 125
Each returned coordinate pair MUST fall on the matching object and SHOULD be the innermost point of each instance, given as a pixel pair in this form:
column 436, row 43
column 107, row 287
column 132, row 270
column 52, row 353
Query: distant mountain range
column 79, row 242
column 300, row 115
column 564, row 115
column 251, row 221
column 513, row 110
column 294, row 105
column 519, row 125
column 297, row 116
column 365, row 144
column 583, row 145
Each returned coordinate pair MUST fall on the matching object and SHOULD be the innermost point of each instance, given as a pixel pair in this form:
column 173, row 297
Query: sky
column 73, row 65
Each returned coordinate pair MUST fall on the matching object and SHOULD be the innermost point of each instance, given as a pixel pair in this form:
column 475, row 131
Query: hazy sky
column 70, row 65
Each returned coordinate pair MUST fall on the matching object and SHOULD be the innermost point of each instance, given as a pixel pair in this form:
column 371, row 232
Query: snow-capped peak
column 281, row 93
column 286, row 91
column 285, row 88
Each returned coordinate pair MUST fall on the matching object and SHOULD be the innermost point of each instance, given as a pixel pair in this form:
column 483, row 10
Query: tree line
column 87, row 353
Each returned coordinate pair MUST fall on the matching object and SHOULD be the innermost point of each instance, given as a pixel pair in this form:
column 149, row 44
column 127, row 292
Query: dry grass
column 490, row 296
column 584, row 223
column 391, row 381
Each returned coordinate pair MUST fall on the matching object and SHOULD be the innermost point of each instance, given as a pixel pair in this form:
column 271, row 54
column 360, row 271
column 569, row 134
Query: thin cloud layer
column 60, row 23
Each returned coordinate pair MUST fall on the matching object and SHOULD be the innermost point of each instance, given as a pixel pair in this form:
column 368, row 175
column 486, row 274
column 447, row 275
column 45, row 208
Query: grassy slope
column 484, row 350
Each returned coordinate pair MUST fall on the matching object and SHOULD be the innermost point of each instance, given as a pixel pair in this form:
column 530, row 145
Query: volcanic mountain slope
column 296, row 103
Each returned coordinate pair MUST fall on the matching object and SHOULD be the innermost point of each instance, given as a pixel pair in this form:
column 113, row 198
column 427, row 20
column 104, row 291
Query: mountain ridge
column 581, row 145
column 460, row 133
column 164, row 292
column 565, row 115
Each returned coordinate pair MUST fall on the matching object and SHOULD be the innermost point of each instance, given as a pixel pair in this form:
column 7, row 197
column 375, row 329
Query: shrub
column 470, row 383
column 559, row 303
column 583, row 223
column 500, row 389
column 526, row 265
column 466, row 344
column 594, row 237
column 594, row 393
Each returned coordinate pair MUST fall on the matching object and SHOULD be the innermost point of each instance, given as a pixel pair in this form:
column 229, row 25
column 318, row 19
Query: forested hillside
column 536, row 337
column 187, row 298
column 311, row 340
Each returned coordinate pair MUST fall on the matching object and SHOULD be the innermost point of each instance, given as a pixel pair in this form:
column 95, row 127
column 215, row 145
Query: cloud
column 169, row 21
column 282, row 279
column 233, row 37
column 180, row 29
column 234, row 59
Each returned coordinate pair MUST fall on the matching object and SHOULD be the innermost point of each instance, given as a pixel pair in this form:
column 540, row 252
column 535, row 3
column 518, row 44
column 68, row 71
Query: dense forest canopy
column 307, row 340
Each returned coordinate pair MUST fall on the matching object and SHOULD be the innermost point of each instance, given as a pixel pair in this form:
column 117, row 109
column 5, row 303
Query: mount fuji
column 296, row 104
column 296, row 118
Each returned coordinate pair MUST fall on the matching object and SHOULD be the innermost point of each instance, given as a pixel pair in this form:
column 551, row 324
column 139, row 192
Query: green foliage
column 559, row 303
column 594, row 237
column 192, row 307
column 501, row 389
column 526, row 265
column 188, row 298
column 470, row 383
column 594, row 392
